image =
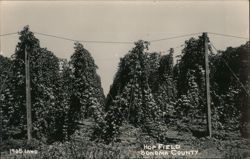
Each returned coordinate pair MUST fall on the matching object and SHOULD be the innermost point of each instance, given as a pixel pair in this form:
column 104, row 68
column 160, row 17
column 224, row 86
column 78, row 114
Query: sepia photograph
column 143, row 79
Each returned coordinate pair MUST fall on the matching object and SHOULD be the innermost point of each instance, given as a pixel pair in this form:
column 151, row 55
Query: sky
column 122, row 21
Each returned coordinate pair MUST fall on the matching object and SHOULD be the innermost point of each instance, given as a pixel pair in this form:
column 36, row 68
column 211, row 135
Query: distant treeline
column 148, row 91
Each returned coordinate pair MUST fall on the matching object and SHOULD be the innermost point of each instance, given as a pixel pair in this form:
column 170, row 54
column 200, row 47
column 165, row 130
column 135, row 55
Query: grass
column 131, row 141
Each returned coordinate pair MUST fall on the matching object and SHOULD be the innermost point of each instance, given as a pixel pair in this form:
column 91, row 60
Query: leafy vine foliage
column 190, row 78
column 61, row 96
column 130, row 98
column 230, row 98
column 86, row 96
column 149, row 91
column 44, row 75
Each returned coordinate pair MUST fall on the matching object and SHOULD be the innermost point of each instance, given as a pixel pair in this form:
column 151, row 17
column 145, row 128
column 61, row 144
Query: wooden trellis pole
column 28, row 95
column 209, row 124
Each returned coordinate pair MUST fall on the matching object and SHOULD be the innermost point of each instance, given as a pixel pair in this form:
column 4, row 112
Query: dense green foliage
column 148, row 93
column 229, row 87
column 44, row 76
column 131, row 98
column 86, row 94
column 60, row 97
column 231, row 90
column 163, row 85
column 191, row 102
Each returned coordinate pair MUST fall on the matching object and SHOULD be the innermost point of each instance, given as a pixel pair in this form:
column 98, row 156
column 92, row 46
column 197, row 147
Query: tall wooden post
column 28, row 95
column 171, row 52
column 1, row 127
column 209, row 124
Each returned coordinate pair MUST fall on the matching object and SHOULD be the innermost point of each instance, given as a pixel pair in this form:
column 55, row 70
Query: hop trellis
column 147, row 89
